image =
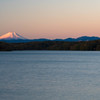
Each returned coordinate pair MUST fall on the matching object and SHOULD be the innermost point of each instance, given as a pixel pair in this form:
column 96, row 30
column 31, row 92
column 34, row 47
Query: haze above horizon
column 50, row 18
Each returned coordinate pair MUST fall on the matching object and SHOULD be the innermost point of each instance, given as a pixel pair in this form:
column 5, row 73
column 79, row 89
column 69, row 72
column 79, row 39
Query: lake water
column 50, row 75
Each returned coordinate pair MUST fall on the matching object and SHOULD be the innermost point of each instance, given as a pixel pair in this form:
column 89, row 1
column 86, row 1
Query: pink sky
column 50, row 18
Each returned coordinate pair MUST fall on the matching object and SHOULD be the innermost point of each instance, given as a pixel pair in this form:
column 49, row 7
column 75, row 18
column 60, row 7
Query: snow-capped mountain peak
column 11, row 36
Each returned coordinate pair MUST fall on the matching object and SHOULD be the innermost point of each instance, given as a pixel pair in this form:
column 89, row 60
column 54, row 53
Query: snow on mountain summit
column 11, row 36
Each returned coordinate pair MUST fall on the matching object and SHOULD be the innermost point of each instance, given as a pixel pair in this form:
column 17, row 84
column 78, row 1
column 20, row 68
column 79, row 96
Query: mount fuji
column 11, row 36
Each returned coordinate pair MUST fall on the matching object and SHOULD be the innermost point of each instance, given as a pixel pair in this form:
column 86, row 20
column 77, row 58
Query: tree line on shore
column 52, row 45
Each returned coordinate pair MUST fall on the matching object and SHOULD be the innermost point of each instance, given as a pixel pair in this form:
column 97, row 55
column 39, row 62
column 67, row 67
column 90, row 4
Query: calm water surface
column 50, row 75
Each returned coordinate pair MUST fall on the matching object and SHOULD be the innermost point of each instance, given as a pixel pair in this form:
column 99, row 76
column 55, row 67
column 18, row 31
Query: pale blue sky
column 50, row 18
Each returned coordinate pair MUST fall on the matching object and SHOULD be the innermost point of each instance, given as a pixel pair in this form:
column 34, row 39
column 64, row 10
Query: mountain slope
column 11, row 36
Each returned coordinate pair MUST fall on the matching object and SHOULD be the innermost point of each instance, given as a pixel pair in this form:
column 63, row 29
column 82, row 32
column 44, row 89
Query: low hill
column 52, row 45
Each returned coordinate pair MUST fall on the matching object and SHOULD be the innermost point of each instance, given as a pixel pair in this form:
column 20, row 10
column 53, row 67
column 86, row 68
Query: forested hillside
column 52, row 45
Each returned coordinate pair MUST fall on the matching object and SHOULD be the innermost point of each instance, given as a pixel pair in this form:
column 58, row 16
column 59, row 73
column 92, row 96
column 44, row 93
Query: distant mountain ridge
column 13, row 37
column 83, row 38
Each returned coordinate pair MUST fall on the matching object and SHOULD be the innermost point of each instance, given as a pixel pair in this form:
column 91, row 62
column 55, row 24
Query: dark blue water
column 50, row 75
